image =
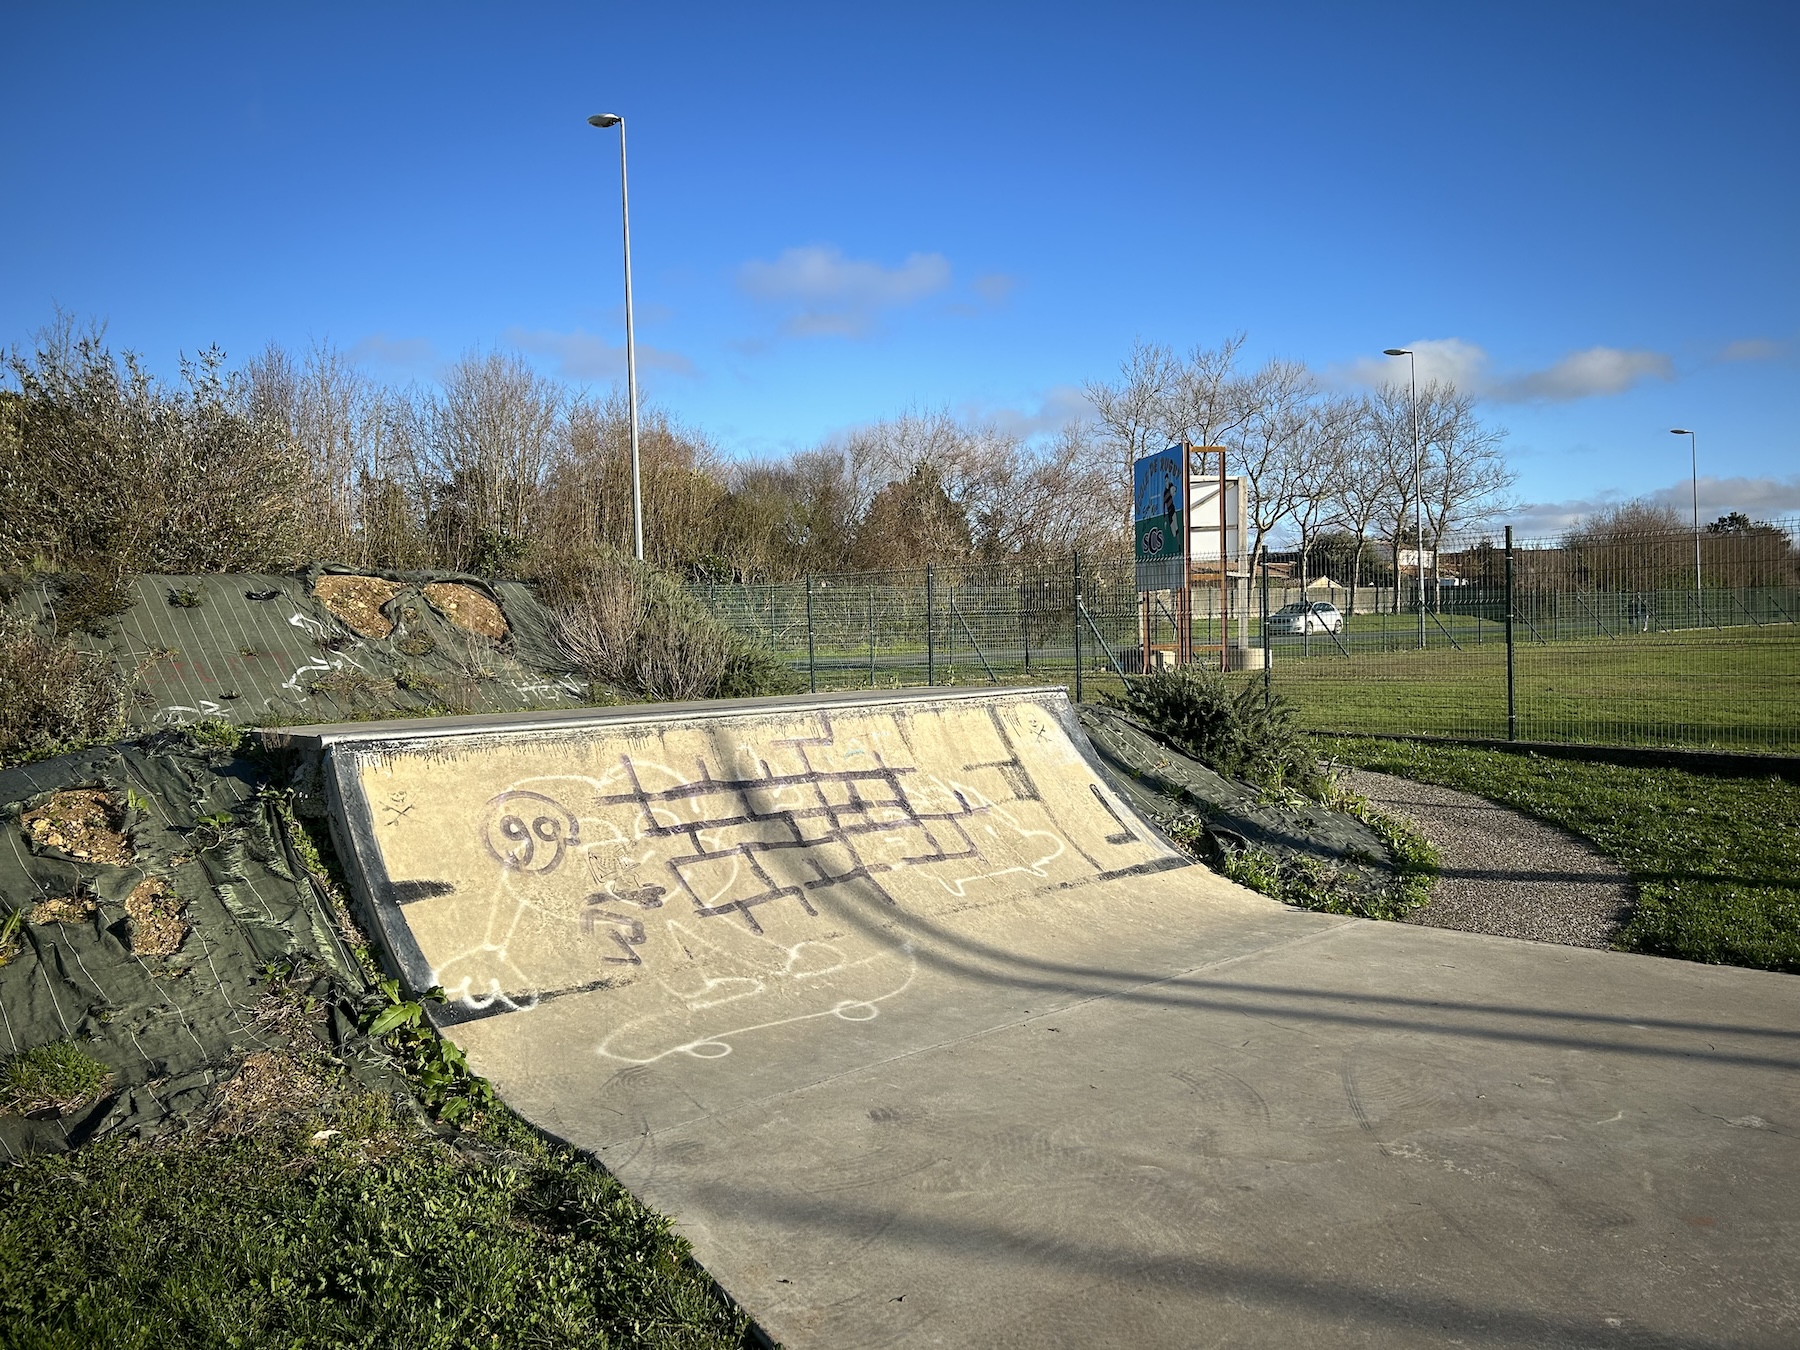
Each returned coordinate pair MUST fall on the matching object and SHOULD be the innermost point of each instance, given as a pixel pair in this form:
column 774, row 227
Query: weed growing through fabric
column 56, row 1078
column 418, row 682
column 182, row 598
column 1307, row 883
column 53, row 696
column 215, row 733
column 9, row 935
column 1712, row 855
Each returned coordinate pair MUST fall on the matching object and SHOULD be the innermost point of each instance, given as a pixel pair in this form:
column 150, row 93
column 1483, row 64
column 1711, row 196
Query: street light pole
column 1412, row 365
column 1694, row 454
column 637, row 482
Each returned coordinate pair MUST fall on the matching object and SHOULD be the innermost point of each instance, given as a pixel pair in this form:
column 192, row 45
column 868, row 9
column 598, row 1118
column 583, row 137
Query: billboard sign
column 1205, row 543
column 1159, row 504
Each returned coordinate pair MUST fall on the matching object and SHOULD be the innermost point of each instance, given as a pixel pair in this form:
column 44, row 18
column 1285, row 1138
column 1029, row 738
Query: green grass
column 1695, row 688
column 57, row 1077
column 1714, row 857
column 1732, row 688
column 378, row 1234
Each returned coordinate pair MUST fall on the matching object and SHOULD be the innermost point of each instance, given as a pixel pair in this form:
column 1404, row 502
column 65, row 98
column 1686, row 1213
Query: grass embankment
column 302, row 1208
column 1714, row 857
column 354, row 1227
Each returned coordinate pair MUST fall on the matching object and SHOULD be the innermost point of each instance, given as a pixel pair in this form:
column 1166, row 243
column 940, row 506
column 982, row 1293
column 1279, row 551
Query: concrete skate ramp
column 704, row 871
column 923, row 1039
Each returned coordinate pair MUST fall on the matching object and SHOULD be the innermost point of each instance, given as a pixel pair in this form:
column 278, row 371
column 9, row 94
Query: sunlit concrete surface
column 1033, row 1083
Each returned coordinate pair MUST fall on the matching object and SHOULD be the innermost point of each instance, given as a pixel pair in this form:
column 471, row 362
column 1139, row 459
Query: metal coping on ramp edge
column 326, row 735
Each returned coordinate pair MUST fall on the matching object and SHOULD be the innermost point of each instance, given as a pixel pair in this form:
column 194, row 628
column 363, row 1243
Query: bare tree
column 1267, row 445
column 1467, row 480
column 1322, row 453
column 1134, row 412
column 1362, row 487
column 1207, row 399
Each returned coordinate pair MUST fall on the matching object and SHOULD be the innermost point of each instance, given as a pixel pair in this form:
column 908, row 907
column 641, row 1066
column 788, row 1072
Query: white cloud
column 1752, row 349
column 829, row 295
column 583, row 356
column 383, row 350
column 1758, row 498
column 1595, row 372
column 995, row 287
column 1059, row 405
column 1598, row 371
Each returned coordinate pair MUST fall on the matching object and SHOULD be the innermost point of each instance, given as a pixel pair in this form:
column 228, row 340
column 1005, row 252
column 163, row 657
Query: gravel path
column 1505, row 873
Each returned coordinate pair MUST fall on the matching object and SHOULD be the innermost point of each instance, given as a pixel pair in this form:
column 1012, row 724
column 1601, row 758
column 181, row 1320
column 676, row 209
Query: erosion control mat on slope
column 323, row 646
column 1167, row 786
column 152, row 951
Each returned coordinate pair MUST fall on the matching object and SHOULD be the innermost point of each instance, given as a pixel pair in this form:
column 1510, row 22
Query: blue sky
column 1588, row 213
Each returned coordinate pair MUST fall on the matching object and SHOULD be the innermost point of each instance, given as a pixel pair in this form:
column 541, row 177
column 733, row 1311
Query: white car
column 1306, row 616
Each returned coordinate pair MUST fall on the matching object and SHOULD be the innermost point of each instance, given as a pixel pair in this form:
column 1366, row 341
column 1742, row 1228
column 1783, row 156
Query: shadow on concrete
column 938, row 948
column 1332, row 1300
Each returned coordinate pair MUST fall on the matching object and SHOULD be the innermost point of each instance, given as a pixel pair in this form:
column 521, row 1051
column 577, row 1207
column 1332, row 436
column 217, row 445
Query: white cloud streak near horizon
column 581, row 355
column 1593, row 373
column 834, row 296
column 1758, row 498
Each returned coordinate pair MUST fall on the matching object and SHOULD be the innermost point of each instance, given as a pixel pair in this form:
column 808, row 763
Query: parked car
column 1306, row 616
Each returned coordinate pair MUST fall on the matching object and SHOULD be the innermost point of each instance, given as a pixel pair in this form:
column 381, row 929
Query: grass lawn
column 1732, row 688
column 1737, row 690
column 352, row 1227
column 1715, row 858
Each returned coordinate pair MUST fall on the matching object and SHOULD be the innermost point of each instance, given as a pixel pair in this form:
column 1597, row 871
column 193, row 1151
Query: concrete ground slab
column 1070, row 1108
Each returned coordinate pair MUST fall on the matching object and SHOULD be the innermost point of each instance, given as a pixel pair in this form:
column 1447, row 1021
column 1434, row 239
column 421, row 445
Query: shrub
column 87, row 602
column 1242, row 735
column 630, row 625
column 52, row 695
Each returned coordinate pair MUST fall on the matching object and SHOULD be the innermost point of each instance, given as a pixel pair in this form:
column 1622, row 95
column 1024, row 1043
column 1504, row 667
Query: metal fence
column 1606, row 642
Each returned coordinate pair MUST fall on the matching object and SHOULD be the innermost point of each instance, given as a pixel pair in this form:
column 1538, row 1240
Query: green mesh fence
column 1613, row 643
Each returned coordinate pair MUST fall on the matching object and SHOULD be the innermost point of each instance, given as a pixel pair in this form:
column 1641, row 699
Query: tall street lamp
column 1694, row 453
column 637, row 484
column 1412, row 365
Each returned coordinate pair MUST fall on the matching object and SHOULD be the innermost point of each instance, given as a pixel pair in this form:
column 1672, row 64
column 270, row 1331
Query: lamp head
column 605, row 120
column 1680, row 431
column 1396, row 351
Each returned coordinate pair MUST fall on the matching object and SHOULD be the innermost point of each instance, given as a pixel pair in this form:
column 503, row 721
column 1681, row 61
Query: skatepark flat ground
column 1063, row 1102
column 1250, row 1126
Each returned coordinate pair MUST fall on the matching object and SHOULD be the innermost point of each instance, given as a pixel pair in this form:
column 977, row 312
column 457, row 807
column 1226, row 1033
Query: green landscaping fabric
column 169, row 1028
column 1166, row 785
column 258, row 649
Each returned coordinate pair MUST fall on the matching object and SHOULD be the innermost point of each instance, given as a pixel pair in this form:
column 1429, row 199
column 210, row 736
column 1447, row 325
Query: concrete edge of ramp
column 347, row 753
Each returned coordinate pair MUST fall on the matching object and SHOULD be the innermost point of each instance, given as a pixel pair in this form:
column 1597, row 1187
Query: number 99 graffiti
column 529, row 832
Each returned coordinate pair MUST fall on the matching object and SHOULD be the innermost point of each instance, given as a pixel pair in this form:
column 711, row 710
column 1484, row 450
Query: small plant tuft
column 436, row 1066
column 184, row 598
column 56, row 1078
column 215, row 733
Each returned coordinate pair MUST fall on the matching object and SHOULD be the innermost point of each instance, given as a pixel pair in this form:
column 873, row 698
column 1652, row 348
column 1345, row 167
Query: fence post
column 1075, row 619
column 812, row 673
column 1024, row 623
column 871, row 635
column 1512, row 700
column 930, row 637
column 1268, row 673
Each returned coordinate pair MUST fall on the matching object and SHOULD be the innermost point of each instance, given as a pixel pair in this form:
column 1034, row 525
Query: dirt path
column 1505, row 873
